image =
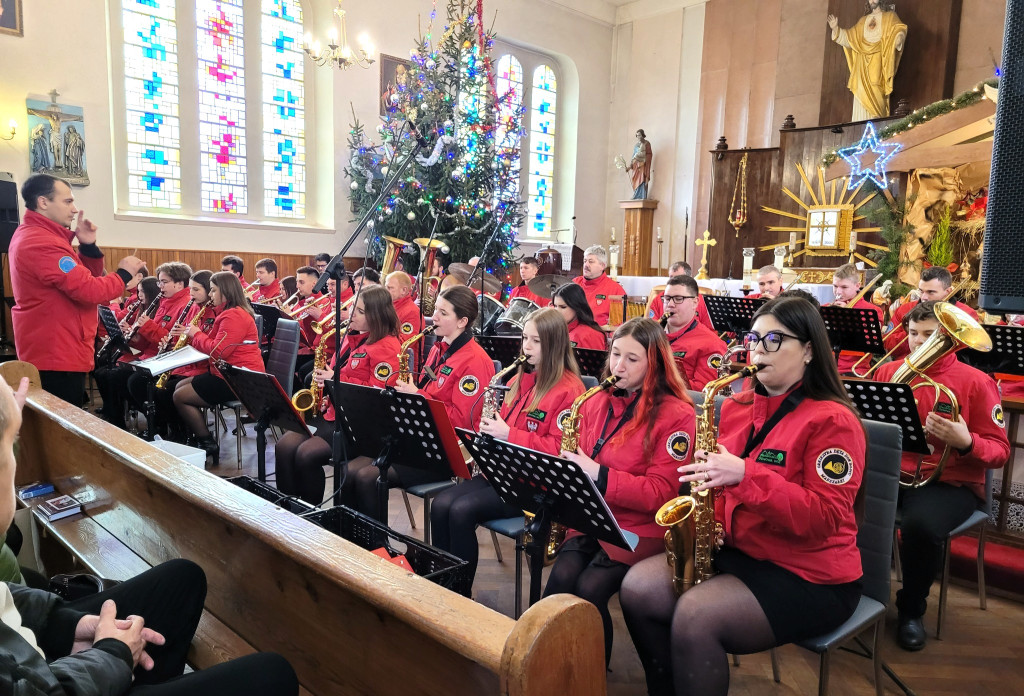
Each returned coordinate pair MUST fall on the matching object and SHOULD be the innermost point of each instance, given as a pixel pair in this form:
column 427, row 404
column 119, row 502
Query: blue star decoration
column 872, row 151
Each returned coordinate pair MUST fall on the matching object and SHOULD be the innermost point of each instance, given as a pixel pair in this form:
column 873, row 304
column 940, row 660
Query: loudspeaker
column 9, row 218
column 1002, row 279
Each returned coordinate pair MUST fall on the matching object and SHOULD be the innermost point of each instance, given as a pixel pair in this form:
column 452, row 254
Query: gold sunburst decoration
column 828, row 221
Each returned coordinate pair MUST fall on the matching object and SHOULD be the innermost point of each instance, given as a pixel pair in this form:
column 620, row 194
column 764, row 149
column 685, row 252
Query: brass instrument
column 725, row 368
column 299, row 313
column 429, row 249
column 282, row 304
column 183, row 339
column 492, row 403
column 403, row 354
column 251, row 290
column 860, row 295
column 690, row 538
column 305, row 399
column 792, row 282
column 327, row 322
column 393, row 246
column 957, row 330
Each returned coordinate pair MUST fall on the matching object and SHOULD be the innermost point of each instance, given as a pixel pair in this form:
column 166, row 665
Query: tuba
column 429, row 249
column 393, row 246
column 690, row 538
column 957, row 330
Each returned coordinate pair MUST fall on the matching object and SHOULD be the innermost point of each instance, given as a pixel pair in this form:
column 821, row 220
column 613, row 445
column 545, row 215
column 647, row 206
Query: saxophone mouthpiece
column 750, row 370
column 610, row 382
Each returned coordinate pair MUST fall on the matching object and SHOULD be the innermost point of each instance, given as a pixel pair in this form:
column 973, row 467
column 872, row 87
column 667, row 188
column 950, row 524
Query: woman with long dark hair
column 584, row 331
column 789, row 464
column 632, row 439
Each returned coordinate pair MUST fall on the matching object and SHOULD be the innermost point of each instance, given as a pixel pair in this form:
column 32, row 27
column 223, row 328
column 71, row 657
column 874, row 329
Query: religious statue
column 873, row 48
column 74, row 152
column 640, row 166
column 40, row 152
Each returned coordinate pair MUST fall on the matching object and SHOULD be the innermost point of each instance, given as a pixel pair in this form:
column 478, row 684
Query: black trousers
column 113, row 386
column 170, row 599
column 69, row 386
column 166, row 420
column 927, row 515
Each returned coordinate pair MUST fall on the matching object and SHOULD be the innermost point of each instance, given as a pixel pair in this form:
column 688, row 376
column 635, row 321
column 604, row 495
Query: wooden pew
column 349, row 622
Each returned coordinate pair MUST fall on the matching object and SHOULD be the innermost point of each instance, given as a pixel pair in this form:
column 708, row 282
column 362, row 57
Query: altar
column 641, row 286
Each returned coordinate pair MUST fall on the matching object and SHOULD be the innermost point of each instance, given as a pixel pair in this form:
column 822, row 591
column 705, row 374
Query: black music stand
column 504, row 349
column 552, row 489
column 113, row 329
column 853, row 328
column 887, row 402
column 732, row 314
column 394, row 428
column 271, row 314
column 1006, row 356
column 591, row 361
column 264, row 398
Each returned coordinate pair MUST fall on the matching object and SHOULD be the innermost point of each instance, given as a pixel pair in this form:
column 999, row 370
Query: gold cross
column 706, row 242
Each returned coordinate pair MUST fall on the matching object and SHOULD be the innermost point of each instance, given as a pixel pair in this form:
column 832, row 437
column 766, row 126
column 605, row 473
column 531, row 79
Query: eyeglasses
column 771, row 341
column 677, row 299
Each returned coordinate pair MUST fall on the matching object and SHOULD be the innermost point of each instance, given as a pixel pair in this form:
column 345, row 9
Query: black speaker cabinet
column 1002, row 265
column 9, row 218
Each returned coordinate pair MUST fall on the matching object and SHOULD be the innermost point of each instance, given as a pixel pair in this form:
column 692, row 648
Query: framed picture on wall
column 57, row 140
column 393, row 80
column 10, row 18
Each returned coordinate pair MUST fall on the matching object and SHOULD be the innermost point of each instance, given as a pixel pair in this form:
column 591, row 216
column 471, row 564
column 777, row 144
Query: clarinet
column 120, row 350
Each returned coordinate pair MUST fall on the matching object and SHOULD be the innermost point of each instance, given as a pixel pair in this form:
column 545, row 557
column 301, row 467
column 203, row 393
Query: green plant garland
column 894, row 231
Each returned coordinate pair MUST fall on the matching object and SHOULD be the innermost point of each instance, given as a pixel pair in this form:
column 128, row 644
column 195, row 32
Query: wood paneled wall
column 927, row 68
column 210, row 260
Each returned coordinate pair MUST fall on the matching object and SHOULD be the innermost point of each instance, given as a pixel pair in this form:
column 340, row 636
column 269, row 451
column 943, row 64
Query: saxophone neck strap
column 627, row 416
column 431, row 370
column 754, row 440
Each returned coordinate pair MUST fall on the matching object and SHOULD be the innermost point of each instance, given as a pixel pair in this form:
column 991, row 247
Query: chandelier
column 338, row 51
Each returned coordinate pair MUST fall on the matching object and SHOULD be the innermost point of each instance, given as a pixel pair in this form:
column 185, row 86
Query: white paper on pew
column 172, row 360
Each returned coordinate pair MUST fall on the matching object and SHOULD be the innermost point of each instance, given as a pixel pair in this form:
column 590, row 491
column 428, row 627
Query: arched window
column 542, row 151
column 198, row 160
column 509, row 86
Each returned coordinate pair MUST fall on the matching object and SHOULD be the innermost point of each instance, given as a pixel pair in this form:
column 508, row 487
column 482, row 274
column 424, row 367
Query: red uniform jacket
column 794, row 506
column 523, row 291
column 898, row 334
column 847, row 358
column 634, row 483
column 265, row 293
column 147, row 339
column 698, row 352
column 369, row 364
column 410, row 322
column 657, row 310
column 57, row 292
column 583, row 336
column 206, row 326
column 346, row 294
column 540, row 428
column 460, row 382
column 599, row 292
column 225, row 341
column 980, row 408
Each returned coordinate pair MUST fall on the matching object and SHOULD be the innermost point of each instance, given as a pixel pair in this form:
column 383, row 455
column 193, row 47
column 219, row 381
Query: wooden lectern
column 636, row 236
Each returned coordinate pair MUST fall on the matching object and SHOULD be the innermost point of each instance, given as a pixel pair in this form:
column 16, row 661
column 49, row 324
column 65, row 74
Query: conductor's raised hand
column 85, row 230
column 132, row 264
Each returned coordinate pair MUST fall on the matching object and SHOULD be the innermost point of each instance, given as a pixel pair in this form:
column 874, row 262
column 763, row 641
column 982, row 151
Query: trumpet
column 299, row 313
column 326, row 322
column 294, row 298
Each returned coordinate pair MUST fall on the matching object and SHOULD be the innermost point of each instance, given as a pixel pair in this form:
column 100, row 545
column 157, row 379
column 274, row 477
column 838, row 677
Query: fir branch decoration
column 940, row 251
column 894, row 232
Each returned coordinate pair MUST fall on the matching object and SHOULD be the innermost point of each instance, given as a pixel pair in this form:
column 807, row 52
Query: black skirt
column 797, row 609
column 212, row 389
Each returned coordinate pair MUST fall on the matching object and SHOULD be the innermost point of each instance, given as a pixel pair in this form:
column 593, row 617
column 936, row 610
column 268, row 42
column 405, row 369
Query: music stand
column 1006, row 356
column 504, row 349
column 591, row 361
column 888, row 402
column 271, row 314
column 732, row 314
column 112, row 327
column 853, row 328
column 394, row 428
column 265, row 400
column 553, row 489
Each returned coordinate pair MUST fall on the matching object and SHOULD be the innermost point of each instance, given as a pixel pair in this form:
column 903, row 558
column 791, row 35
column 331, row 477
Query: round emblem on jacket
column 407, row 327
column 563, row 418
column 66, row 263
column 382, row 371
column 997, row 416
column 835, row 466
column 714, row 361
column 469, row 385
column 678, row 445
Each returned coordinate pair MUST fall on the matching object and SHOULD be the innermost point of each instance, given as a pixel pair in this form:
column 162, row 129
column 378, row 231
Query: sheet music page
column 172, row 360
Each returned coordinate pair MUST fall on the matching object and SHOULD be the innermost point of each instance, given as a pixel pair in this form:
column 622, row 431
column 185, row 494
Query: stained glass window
column 509, row 88
column 284, row 140
column 542, row 151
column 153, row 131
column 221, row 53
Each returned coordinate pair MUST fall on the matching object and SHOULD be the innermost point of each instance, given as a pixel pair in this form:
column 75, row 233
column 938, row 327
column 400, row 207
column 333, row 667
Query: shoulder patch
column 382, row 371
column 66, row 263
column 407, row 328
column 678, row 445
column 997, row 416
column 537, row 414
column 835, row 466
column 771, row 457
column 714, row 361
column 563, row 418
column 469, row 385
column 573, row 343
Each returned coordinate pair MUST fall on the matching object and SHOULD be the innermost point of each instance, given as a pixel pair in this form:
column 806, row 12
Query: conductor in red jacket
column 56, row 288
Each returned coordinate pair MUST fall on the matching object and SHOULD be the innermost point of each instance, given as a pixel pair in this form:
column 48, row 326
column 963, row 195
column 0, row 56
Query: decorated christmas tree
column 466, row 180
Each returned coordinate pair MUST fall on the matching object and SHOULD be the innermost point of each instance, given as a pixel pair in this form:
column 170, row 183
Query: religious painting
column 57, row 140
column 10, row 18
column 394, row 74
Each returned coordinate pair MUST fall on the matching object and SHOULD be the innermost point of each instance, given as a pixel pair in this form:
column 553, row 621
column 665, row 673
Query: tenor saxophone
column 690, row 537
column 161, row 382
column 403, row 354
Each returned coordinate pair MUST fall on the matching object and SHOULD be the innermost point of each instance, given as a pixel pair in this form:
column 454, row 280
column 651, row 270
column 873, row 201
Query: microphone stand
column 478, row 267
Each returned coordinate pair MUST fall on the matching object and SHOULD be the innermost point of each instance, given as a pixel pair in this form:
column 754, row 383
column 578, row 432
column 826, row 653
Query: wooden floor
column 982, row 651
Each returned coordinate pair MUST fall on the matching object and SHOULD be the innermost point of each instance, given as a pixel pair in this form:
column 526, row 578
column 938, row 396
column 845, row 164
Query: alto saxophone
column 492, row 401
column 690, row 538
column 305, row 399
column 161, row 382
column 403, row 354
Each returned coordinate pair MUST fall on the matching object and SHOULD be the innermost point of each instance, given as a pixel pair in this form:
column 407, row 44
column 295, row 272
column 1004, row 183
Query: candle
column 613, row 235
column 659, row 234
column 615, row 259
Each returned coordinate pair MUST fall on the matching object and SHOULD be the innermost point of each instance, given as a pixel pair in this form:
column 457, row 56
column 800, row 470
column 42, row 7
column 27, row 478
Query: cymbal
column 462, row 272
column 424, row 241
column 542, row 285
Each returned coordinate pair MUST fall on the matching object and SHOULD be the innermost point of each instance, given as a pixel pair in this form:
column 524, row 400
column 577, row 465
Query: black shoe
column 910, row 633
column 212, row 448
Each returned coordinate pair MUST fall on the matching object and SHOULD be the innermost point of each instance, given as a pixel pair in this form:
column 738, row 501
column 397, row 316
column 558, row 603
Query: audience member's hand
column 21, row 393
column 131, row 631
column 85, row 230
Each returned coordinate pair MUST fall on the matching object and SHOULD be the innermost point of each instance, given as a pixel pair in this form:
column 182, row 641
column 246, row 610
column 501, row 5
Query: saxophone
column 690, row 538
column 305, row 399
column 492, row 401
column 161, row 382
column 403, row 354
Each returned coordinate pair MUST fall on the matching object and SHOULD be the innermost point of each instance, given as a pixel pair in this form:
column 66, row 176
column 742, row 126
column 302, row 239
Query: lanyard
column 428, row 376
column 754, row 440
column 627, row 415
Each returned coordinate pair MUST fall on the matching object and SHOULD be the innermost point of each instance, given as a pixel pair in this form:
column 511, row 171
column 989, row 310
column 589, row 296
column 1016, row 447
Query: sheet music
column 171, row 360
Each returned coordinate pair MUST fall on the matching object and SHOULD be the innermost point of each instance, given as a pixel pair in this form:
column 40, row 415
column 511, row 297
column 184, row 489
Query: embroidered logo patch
column 772, row 457
column 835, row 466
column 944, row 408
column 714, row 361
column 360, row 354
column 446, row 370
column 382, row 371
column 997, row 416
column 167, row 317
column 532, row 425
column 572, row 343
column 66, row 263
column 407, row 328
column 469, row 385
column 678, row 445
column 563, row 419
column 537, row 414
column 679, row 354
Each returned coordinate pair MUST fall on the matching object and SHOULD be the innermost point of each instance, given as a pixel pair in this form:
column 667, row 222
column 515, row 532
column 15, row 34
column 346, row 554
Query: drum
column 550, row 261
column 490, row 309
column 514, row 318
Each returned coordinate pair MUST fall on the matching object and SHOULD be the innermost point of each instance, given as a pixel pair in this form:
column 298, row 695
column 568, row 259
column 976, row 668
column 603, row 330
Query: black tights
column 362, row 477
column 684, row 642
column 583, row 569
column 189, row 405
column 299, row 464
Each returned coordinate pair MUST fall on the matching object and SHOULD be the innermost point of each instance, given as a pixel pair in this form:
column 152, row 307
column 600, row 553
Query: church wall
column 66, row 47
